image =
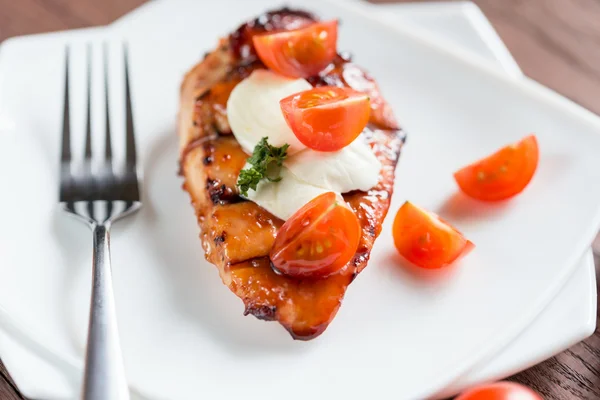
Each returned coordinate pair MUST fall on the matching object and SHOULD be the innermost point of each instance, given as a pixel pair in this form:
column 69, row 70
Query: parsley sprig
column 266, row 161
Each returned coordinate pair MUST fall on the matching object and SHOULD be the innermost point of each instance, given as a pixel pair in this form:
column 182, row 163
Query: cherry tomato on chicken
column 298, row 53
column 503, row 174
column 326, row 118
column 425, row 240
column 500, row 391
column 318, row 240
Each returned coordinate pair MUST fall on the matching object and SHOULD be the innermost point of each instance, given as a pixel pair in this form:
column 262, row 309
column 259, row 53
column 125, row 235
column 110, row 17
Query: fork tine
column 107, row 144
column 88, row 126
column 66, row 134
column 130, row 140
column 66, row 178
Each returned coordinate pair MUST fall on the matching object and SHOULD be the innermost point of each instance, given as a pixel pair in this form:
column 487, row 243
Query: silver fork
column 98, row 197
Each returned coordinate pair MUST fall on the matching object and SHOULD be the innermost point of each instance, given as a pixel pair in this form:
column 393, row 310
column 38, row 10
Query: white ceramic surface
column 395, row 316
column 571, row 316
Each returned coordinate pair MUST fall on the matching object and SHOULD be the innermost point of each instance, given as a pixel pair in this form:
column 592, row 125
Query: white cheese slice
column 355, row 167
column 285, row 197
column 254, row 112
column 308, row 174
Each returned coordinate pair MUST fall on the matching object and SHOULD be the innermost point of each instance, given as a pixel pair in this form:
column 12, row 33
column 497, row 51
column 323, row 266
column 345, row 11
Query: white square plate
column 571, row 316
column 183, row 330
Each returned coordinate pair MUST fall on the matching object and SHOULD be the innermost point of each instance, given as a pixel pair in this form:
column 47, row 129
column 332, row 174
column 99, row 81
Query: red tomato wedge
column 326, row 118
column 503, row 174
column 298, row 53
column 425, row 240
column 318, row 240
column 500, row 391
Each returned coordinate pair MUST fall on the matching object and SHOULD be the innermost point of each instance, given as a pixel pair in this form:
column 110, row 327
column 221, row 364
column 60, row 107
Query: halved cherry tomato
column 503, row 174
column 298, row 53
column 500, row 391
column 318, row 240
column 425, row 240
column 326, row 118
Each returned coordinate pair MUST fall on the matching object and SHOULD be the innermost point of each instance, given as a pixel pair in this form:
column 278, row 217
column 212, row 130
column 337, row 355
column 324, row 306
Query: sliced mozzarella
column 285, row 197
column 355, row 167
column 253, row 110
column 309, row 173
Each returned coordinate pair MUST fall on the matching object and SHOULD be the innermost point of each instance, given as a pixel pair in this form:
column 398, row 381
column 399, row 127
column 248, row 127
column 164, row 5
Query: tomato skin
column 503, row 174
column 500, row 391
column 318, row 240
column 326, row 118
column 298, row 53
column 425, row 240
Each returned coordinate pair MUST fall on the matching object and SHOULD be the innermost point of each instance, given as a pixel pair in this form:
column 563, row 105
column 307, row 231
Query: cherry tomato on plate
column 326, row 118
column 318, row 240
column 298, row 53
column 425, row 240
column 503, row 174
column 500, row 391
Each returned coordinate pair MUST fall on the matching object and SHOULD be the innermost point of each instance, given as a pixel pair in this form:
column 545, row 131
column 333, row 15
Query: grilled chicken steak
column 237, row 235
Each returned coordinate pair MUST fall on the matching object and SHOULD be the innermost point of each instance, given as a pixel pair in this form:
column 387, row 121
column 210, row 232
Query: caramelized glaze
column 237, row 235
column 277, row 20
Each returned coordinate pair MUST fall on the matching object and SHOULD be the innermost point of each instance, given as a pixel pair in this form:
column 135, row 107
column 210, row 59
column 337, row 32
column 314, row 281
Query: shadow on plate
column 75, row 243
column 461, row 208
column 404, row 270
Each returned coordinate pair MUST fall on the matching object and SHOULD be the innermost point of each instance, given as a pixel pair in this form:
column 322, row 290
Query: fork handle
column 104, row 376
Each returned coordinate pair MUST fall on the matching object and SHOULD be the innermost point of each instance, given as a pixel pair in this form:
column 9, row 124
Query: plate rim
column 493, row 72
column 501, row 57
column 540, row 93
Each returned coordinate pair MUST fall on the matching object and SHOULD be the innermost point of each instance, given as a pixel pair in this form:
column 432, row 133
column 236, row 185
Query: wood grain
column 8, row 389
column 18, row 17
column 556, row 42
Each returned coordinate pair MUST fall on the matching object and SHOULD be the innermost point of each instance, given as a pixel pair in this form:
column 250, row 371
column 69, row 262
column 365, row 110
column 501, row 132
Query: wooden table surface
column 556, row 42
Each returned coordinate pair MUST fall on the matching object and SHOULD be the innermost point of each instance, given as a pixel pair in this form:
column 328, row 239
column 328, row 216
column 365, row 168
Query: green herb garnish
column 266, row 161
